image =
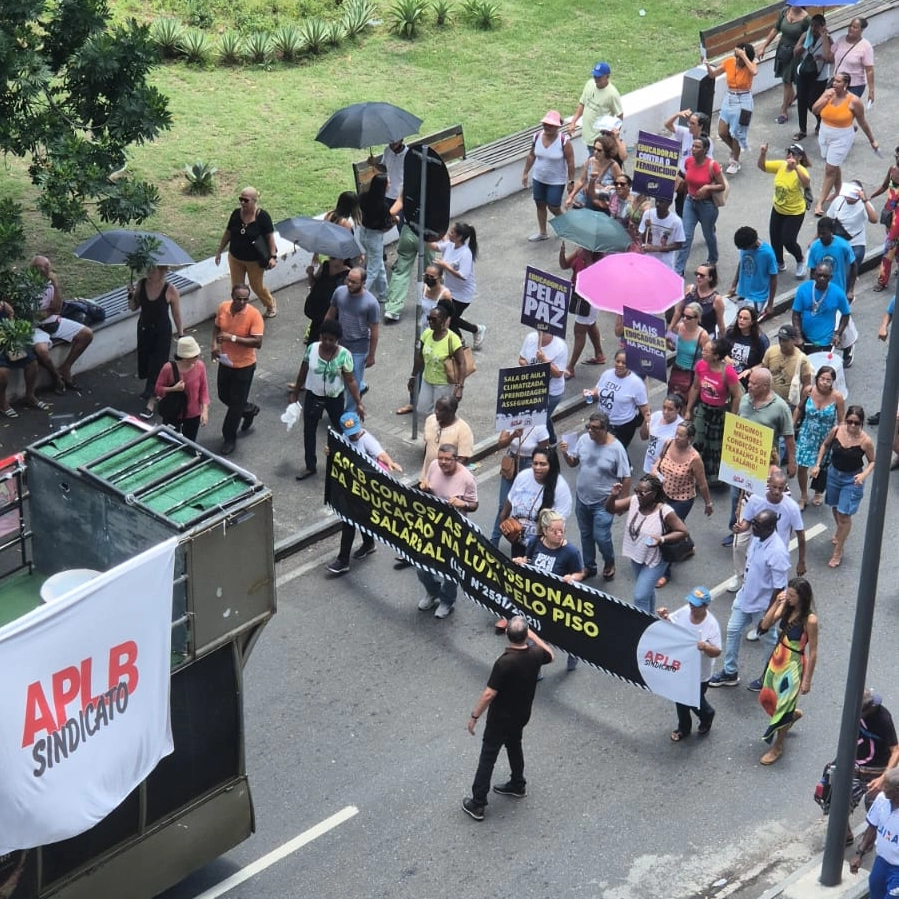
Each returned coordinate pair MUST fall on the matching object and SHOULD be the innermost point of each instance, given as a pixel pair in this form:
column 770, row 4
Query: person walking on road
column 695, row 617
column 767, row 572
column 509, row 695
column 883, row 825
column 236, row 335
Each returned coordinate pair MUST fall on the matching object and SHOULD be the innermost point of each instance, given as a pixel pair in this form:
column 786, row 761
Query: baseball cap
column 699, row 596
column 869, row 697
column 349, row 421
column 788, row 332
column 601, row 69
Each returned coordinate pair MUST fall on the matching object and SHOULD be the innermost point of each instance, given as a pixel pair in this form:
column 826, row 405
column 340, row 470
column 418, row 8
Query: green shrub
column 315, row 35
column 259, row 47
column 483, row 14
column 444, row 12
column 200, row 177
column 15, row 335
column 167, row 33
column 356, row 16
column 197, row 46
column 405, row 16
column 199, row 15
column 336, row 32
column 287, row 42
column 231, row 49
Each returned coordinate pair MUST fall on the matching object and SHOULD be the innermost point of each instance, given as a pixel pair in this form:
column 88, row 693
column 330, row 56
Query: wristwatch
column 233, row 338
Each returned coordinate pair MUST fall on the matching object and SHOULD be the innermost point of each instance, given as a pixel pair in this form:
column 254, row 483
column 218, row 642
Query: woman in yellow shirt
column 791, row 180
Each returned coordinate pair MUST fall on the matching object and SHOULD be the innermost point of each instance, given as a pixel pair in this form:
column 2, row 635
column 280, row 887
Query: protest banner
column 646, row 348
column 655, row 165
column 522, row 396
column 745, row 454
column 611, row 635
column 85, row 700
column 544, row 305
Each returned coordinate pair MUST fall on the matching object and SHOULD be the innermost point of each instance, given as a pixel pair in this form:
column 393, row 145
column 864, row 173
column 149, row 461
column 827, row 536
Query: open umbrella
column 116, row 246
column 319, row 236
column 366, row 125
column 592, row 230
column 636, row 280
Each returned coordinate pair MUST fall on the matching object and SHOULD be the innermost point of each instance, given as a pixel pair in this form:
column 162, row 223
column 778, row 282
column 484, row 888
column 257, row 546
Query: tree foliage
column 73, row 98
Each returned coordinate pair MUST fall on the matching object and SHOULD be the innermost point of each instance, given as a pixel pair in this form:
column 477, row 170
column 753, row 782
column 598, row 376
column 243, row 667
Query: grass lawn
column 258, row 127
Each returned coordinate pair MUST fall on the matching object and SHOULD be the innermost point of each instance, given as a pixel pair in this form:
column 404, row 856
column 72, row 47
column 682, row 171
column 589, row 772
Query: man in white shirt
column 663, row 232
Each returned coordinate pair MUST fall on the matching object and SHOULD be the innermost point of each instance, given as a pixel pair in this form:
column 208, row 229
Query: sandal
column 803, row 502
column 662, row 581
column 608, row 573
column 596, row 360
column 879, row 287
column 817, row 499
column 677, row 736
column 405, row 410
column 835, row 560
column 781, row 119
column 72, row 384
column 147, row 413
column 9, row 413
column 40, row 405
column 799, row 135
column 771, row 756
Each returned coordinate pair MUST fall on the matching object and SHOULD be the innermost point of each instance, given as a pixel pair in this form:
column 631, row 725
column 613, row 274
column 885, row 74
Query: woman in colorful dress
column 889, row 220
column 715, row 389
column 820, row 409
column 792, row 664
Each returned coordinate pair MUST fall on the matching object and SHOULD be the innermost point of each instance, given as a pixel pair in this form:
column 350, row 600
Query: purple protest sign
column 655, row 165
column 644, row 336
column 544, row 306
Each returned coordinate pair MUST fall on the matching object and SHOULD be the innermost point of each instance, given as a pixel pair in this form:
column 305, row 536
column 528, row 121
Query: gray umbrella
column 367, row 125
column 319, row 236
column 116, row 246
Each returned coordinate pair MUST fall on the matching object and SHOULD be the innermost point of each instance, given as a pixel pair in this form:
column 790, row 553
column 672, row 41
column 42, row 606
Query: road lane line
column 282, row 851
column 810, row 534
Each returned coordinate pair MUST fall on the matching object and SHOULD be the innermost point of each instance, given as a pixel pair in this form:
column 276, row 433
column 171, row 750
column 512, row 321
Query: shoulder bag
column 675, row 552
column 173, row 405
column 719, row 197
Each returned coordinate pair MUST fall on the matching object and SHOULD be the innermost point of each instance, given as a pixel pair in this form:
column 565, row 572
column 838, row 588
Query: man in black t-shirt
column 509, row 695
column 878, row 747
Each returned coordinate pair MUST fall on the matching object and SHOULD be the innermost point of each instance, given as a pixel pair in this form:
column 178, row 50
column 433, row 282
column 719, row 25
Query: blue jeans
column 375, row 272
column 645, row 577
column 735, row 627
column 883, row 879
column 705, row 214
column 359, row 375
column 444, row 589
column 595, row 525
column 551, row 404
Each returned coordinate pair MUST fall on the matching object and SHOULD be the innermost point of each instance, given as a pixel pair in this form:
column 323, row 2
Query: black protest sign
column 594, row 626
column 544, row 305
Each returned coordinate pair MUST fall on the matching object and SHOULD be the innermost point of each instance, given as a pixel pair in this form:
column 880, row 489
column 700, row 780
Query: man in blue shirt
column 756, row 277
column 815, row 309
column 837, row 251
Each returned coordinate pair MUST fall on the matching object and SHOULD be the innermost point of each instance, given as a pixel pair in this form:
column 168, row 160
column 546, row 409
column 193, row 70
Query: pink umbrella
column 636, row 280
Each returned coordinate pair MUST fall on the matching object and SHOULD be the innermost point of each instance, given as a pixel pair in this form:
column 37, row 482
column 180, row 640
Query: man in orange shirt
column 236, row 335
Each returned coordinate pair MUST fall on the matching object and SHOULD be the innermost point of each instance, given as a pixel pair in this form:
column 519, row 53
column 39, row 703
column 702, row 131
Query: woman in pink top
column 191, row 382
column 715, row 390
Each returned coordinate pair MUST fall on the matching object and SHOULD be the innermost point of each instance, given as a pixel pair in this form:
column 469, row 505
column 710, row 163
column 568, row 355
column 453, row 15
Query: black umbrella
column 116, row 246
column 367, row 125
column 319, row 236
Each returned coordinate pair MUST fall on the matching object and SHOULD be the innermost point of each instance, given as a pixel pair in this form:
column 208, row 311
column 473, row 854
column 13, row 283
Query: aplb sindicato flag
column 84, row 707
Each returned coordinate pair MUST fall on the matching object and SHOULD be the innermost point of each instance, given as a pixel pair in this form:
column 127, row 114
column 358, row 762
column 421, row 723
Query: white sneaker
column 781, row 266
column 443, row 610
column 752, row 636
column 427, row 602
column 478, row 341
column 800, row 270
column 733, row 168
column 733, row 585
column 534, row 238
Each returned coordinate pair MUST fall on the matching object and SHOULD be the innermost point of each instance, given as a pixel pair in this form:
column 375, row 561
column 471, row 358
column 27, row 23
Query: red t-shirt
column 714, row 385
column 699, row 174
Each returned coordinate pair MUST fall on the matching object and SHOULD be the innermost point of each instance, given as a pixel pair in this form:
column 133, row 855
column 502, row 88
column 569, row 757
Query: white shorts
column 587, row 319
column 66, row 331
column 835, row 143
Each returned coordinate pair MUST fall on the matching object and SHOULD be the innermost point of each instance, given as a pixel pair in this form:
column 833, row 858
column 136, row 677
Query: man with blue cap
column 599, row 98
column 695, row 617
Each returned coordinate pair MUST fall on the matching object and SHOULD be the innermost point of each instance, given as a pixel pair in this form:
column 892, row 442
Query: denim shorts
column 842, row 492
column 551, row 194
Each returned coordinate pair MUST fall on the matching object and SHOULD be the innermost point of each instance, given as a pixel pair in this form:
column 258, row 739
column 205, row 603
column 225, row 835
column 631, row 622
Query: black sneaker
column 338, row 566
column 723, row 679
column 365, row 550
column 874, row 419
column 755, row 686
column 474, row 811
column 249, row 413
column 509, row 789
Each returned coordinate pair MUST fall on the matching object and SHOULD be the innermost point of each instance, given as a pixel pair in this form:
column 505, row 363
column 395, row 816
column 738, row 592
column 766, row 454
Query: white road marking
column 281, row 852
column 810, row 534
